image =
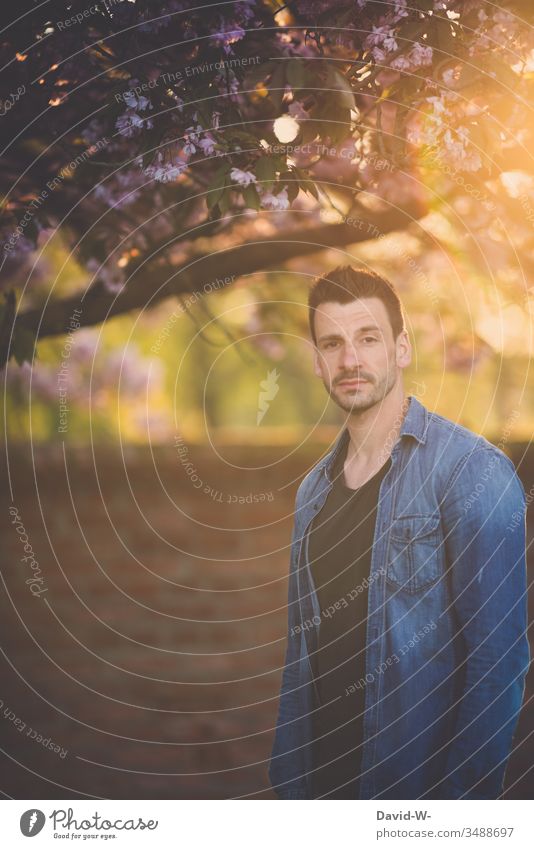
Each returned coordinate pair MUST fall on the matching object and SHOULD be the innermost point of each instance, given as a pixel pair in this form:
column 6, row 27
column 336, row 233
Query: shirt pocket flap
column 406, row 528
column 415, row 552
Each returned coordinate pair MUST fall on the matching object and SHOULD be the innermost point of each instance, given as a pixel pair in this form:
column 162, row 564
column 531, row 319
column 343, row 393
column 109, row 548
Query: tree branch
column 153, row 282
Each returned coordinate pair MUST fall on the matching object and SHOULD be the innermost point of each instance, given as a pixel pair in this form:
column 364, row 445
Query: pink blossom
column 243, row 178
column 166, row 172
column 450, row 76
column 400, row 63
column 225, row 39
column 400, row 10
column 93, row 132
column 383, row 37
column 457, row 153
column 420, row 55
column 179, row 102
column 111, row 275
column 207, row 145
column 297, row 111
column 83, row 352
column 135, row 101
column 122, row 188
column 275, row 202
column 130, row 123
column 376, row 36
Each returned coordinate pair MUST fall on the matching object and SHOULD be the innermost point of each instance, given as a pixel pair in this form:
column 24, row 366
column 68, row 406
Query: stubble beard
column 373, row 393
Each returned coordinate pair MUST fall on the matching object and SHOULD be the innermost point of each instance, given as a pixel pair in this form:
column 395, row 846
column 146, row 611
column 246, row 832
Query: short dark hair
column 345, row 284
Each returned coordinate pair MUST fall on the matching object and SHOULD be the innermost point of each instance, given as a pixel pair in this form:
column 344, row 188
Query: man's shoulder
column 456, row 446
column 440, row 427
column 459, row 440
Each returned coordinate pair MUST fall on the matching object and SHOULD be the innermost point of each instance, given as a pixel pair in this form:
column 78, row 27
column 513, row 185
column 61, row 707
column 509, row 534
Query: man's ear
column 403, row 350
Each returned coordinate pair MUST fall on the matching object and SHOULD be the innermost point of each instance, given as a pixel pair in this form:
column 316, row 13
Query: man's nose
column 350, row 357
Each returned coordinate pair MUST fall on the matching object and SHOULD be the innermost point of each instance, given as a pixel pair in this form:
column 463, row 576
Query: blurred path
column 150, row 667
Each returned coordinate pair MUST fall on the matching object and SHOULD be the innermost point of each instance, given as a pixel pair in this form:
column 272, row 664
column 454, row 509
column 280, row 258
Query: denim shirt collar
column 415, row 424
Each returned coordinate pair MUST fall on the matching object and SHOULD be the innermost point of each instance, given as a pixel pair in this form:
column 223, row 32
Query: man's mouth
column 353, row 382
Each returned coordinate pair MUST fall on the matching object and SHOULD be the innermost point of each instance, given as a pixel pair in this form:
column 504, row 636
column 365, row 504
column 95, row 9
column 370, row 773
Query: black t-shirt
column 340, row 547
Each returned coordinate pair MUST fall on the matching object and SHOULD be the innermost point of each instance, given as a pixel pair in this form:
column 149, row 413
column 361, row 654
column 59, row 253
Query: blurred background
column 160, row 407
column 161, row 520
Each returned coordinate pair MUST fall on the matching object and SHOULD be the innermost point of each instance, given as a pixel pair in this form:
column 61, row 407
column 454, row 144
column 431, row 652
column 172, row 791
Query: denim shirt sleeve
column 483, row 512
column 286, row 770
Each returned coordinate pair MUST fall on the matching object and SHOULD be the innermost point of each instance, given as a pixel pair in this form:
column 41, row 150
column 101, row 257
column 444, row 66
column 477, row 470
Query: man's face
column 356, row 356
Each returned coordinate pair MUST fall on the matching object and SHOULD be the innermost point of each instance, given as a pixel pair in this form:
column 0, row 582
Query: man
column 407, row 646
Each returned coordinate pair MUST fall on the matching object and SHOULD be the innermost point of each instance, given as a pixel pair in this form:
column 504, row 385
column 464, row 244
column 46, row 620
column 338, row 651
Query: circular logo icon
column 31, row 822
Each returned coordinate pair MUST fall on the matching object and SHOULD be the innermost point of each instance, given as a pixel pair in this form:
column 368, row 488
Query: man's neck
column 373, row 433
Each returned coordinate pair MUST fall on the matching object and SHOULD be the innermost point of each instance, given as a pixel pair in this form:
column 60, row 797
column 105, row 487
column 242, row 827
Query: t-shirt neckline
column 339, row 474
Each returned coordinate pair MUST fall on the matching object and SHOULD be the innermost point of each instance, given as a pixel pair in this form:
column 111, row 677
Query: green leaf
column 7, row 317
column 258, row 73
column 279, row 162
column 309, row 130
column 423, row 5
column 285, row 177
column 296, row 73
column 344, row 94
column 277, row 85
column 409, row 32
column 23, row 345
column 335, row 123
column 265, row 170
column 204, row 116
column 306, row 184
column 242, row 136
column 224, row 202
column 443, row 36
column 251, row 196
column 292, row 189
column 217, row 186
column 289, row 180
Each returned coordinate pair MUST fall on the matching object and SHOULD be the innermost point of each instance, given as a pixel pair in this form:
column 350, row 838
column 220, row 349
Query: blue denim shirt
column 447, row 650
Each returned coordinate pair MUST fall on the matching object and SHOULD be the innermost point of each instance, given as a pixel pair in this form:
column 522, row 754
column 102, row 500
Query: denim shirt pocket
column 414, row 556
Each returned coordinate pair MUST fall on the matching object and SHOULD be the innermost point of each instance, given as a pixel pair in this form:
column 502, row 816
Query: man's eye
column 370, row 339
